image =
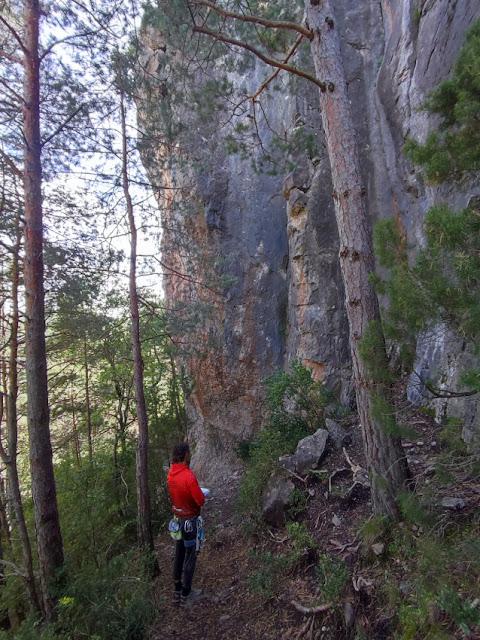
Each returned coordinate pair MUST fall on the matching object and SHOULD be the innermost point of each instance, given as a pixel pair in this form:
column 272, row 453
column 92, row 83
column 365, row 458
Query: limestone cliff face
column 419, row 53
column 273, row 238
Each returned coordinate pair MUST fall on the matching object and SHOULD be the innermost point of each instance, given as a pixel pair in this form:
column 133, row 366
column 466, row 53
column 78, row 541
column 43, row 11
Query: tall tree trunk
column 47, row 525
column 10, row 457
column 87, row 400
column 385, row 457
column 144, row 518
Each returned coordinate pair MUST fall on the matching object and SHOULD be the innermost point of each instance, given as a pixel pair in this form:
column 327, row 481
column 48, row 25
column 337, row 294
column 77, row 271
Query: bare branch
column 16, row 95
column 259, row 54
column 270, row 79
column 274, row 24
column 184, row 276
column 7, row 247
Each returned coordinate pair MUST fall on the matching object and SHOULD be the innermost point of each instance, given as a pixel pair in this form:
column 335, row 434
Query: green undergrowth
column 295, row 409
column 440, row 577
column 431, row 565
column 271, row 568
column 111, row 602
column 104, row 590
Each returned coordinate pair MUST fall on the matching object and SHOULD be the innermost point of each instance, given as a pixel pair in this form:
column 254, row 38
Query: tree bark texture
column 384, row 453
column 47, row 525
column 144, row 518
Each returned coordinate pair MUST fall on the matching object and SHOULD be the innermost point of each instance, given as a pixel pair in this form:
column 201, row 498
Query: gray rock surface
column 339, row 436
column 349, row 614
column 455, row 504
column 276, row 500
column 310, row 451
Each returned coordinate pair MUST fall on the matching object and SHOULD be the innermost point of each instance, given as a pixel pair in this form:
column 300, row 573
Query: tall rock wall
column 273, row 238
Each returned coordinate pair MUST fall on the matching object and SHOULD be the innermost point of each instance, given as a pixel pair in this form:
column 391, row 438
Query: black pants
column 186, row 555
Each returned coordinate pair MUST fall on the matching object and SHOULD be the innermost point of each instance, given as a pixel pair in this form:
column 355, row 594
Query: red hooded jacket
column 186, row 495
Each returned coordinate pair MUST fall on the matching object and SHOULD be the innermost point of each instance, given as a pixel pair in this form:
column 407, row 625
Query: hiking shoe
column 187, row 601
column 176, row 596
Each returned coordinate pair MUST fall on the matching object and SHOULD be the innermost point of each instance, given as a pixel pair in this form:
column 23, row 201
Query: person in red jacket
column 187, row 500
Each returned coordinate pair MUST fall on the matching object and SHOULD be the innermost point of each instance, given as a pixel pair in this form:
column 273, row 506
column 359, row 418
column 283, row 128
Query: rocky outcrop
column 254, row 255
column 423, row 41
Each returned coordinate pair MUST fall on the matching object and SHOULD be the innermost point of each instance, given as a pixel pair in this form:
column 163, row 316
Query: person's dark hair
column 180, row 452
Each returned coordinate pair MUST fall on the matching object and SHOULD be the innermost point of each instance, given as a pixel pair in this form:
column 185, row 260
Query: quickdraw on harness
column 200, row 539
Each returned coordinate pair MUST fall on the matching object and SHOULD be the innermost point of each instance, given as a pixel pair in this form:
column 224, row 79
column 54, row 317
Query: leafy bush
column 110, row 603
column 297, row 503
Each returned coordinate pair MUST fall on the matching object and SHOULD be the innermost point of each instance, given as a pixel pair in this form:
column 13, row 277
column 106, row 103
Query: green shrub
column 300, row 541
column 264, row 580
column 332, row 579
column 295, row 408
column 297, row 503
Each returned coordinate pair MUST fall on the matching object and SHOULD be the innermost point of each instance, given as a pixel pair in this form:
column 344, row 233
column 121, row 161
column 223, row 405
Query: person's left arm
column 197, row 494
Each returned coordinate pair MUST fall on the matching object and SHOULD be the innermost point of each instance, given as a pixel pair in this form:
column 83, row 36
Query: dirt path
column 228, row 610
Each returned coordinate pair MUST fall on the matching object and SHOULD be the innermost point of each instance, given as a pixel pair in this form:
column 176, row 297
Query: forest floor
column 232, row 610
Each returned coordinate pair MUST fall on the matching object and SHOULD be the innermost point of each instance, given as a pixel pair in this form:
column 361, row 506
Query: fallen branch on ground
column 341, row 547
column 310, row 610
column 295, row 475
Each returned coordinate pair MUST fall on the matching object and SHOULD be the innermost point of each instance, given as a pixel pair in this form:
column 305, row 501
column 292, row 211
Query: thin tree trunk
column 47, row 525
column 87, row 400
column 4, row 524
column 179, row 414
column 144, row 518
column 75, row 433
column 10, row 457
column 385, row 457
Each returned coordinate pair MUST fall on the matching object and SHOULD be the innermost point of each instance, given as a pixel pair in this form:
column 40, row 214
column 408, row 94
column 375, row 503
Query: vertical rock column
column 317, row 323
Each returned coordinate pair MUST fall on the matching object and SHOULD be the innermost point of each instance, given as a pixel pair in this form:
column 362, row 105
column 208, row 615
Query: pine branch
column 11, row 164
column 14, row 34
column 445, row 393
column 63, row 125
column 8, row 56
column 270, row 79
column 270, row 61
column 274, row 24
column 16, row 95
column 448, row 394
column 75, row 36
